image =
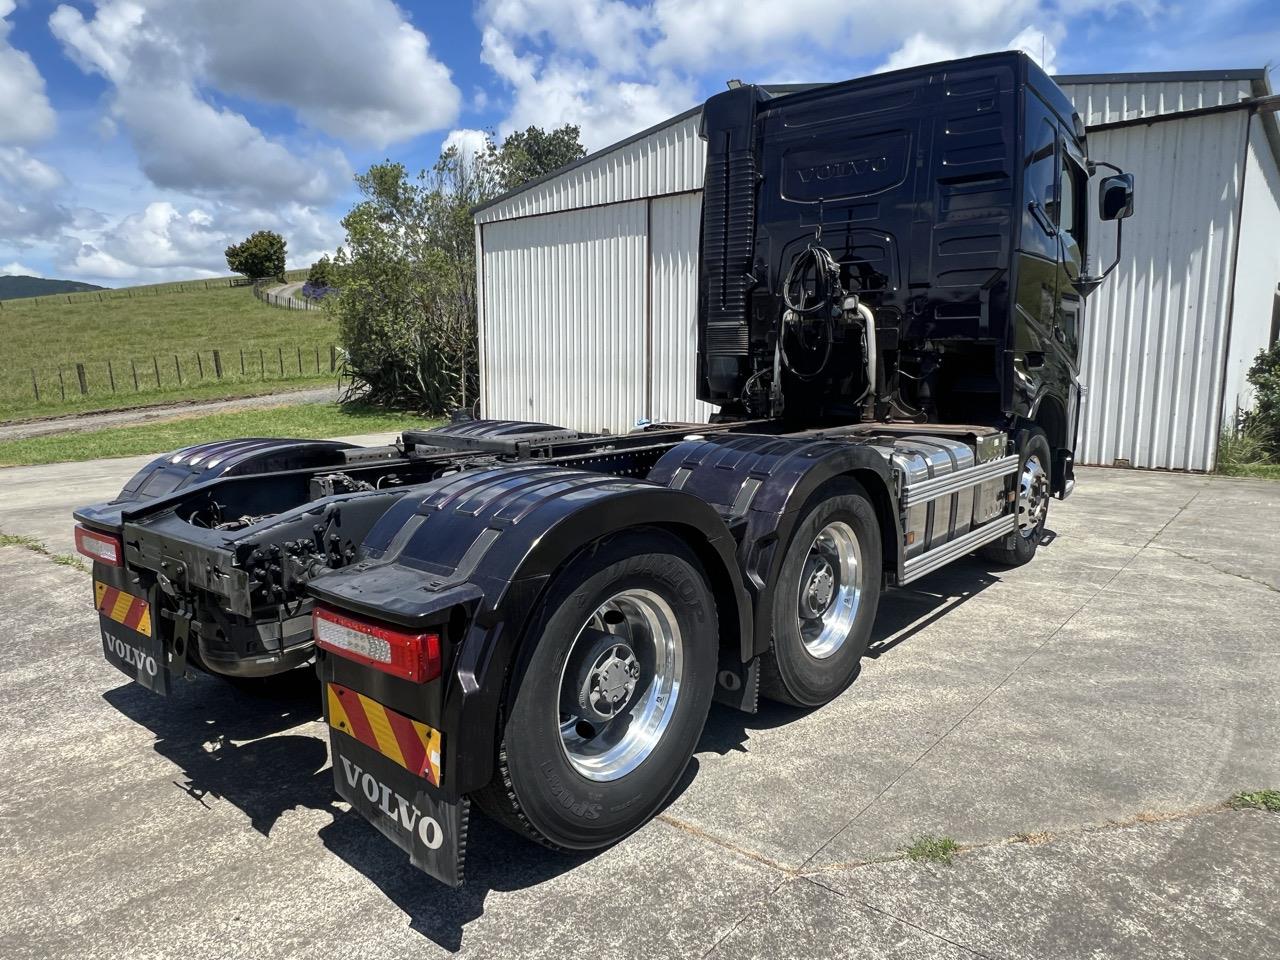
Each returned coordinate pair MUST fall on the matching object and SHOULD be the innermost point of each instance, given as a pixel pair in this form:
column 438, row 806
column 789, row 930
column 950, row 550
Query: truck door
column 1072, row 222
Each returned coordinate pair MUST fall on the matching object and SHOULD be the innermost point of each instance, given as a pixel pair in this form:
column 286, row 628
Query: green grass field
column 165, row 336
column 303, row 421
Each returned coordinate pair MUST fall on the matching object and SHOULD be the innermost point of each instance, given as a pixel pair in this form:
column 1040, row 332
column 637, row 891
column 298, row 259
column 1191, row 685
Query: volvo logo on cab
column 131, row 655
column 401, row 810
column 842, row 168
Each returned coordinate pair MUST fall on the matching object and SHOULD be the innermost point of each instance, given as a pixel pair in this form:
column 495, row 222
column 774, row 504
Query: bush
column 1263, row 421
column 258, row 256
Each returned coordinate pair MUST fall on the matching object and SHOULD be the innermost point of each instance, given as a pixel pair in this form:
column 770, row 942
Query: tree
column 321, row 273
column 528, row 154
column 407, row 300
column 259, row 255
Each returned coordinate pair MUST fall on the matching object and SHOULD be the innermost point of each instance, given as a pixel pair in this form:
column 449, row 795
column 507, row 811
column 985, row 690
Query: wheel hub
column 611, row 681
column 820, row 587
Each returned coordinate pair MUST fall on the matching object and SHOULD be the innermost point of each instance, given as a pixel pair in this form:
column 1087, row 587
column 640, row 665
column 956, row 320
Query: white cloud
column 25, row 113
column 921, row 48
column 356, row 69
column 615, row 68
column 183, row 141
column 16, row 269
column 468, row 142
column 20, row 169
column 165, row 241
column 594, row 76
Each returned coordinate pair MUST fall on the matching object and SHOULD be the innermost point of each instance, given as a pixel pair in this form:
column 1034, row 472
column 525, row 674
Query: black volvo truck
column 536, row 620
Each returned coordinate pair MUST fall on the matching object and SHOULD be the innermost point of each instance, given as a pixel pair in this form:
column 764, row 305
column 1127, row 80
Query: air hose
column 822, row 308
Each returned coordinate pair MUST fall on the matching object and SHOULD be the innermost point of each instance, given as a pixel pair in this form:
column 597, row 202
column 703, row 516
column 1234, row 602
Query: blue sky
column 139, row 137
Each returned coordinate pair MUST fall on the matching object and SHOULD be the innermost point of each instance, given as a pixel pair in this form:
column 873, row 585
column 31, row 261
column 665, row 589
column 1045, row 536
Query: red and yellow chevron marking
column 413, row 745
column 133, row 612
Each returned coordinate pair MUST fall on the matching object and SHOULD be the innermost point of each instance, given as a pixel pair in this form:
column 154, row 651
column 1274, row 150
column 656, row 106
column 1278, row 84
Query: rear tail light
column 99, row 547
column 413, row 656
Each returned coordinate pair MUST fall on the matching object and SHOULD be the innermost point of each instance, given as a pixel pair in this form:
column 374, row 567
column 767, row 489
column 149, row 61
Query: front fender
column 488, row 542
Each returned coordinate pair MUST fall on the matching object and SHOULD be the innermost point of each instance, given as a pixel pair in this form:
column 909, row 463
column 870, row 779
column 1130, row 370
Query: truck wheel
column 605, row 714
column 825, row 599
column 1033, row 502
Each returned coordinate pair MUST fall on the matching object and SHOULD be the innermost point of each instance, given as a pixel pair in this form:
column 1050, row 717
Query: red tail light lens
column 413, row 656
column 99, row 547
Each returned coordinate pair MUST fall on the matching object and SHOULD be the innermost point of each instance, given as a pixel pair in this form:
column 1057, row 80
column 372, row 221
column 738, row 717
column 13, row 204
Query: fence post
column 333, row 357
column 217, row 364
column 242, row 361
column 84, row 385
column 200, row 364
column 34, row 385
column 178, row 366
column 299, row 361
column 111, row 375
column 280, row 357
column 62, row 384
column 262, row 364
column 134, row 367
column 156, row 363
column 317, row 358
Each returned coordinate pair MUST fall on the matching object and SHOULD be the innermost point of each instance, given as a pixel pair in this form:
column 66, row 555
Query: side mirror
column 1115, row 197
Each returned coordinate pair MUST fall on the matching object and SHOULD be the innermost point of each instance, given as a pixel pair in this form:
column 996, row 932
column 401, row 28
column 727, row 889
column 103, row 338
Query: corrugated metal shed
column 606, row 302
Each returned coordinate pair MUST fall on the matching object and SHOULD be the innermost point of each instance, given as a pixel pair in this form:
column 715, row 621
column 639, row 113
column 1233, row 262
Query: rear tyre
column 604, row 714
column 825, row 599
column 1034, row 494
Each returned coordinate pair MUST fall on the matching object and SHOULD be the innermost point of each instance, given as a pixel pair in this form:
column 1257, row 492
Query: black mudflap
column 138, row 656
column 738, row 683
column 405, row 807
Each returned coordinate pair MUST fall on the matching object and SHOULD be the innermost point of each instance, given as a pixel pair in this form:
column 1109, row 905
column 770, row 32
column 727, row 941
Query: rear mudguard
column 191, row 467
column 760, row 484
column 477, row 550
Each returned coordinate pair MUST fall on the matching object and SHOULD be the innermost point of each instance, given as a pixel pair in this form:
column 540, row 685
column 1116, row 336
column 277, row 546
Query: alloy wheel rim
column 1033, row 497
column 830, row 591
column 619, row 684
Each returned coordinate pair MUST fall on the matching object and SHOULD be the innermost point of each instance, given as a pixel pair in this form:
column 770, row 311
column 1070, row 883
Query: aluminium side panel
column 1155, row 340
column 564, row 322
column 1257, row 271
column 673, row 277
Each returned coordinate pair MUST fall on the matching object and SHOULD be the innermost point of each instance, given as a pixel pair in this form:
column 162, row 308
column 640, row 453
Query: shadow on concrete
column 243, row 745
column 258, row 746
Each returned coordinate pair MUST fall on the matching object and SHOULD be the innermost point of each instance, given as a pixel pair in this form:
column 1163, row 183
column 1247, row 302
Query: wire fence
column 159, row 371
column 286, row 301
column 154, row 290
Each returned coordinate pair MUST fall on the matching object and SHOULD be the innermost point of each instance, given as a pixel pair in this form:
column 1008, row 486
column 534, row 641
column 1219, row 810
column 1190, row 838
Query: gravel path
column 117, row 418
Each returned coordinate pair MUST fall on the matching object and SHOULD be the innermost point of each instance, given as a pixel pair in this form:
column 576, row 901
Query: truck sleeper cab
column 536, row 620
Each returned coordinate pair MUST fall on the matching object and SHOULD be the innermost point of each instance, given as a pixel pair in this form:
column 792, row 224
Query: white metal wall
column 564, row 318
column 1156, row 332
column 1257, row 270
column 673, row 237
column 668, row 160
column 1113, row 101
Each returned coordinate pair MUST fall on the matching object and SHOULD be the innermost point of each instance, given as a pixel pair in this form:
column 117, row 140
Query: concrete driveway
column 1074, row 724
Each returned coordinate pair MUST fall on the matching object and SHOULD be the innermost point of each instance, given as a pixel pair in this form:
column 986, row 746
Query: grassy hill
column 12, row 288
column 165, row 335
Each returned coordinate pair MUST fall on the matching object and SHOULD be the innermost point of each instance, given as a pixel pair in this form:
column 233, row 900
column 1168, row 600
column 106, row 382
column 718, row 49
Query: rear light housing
column 99, row 547
column 411, row 656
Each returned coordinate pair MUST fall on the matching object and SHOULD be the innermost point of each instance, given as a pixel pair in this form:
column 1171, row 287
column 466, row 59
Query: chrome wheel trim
column 1033, row 497
column 830, row 592
column 635, row 681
